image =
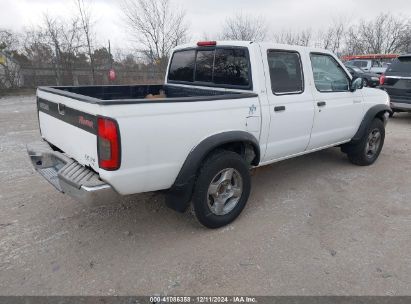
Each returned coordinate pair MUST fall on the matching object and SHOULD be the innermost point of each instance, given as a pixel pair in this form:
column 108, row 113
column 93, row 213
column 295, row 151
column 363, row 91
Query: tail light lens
column 382, row 79
column 108, row 143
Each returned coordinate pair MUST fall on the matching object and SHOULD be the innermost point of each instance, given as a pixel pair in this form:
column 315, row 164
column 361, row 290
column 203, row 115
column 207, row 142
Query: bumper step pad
column 68, row 176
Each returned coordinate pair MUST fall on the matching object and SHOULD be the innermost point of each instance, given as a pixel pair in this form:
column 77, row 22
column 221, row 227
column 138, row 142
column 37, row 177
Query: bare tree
column 36, row 48
column 303, row 38
column 244, row 27
column 66, row 40
column 408, row 38
column 9, row 40
column 9, row 67
column 332, row 38
column 86, row 24
column 157, row 25
column 9, row 72
column 385, row 34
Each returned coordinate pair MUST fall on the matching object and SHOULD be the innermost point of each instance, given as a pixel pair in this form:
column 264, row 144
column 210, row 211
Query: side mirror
column 356, row 84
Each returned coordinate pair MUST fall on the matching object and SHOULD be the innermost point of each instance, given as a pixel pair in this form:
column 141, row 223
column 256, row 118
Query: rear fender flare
column 179, row 195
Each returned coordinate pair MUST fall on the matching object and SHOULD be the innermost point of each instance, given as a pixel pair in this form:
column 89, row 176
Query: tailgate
column 66, row 123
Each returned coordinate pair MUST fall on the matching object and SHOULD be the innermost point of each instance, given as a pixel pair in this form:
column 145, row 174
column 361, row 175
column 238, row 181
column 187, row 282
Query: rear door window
column 285, row 72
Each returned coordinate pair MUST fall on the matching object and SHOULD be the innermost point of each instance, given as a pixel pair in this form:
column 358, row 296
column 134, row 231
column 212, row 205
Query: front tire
column 367, row 150
column 222, row 189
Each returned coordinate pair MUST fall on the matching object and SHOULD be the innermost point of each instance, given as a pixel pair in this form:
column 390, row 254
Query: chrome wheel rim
column 373, row 143
column 224, row 191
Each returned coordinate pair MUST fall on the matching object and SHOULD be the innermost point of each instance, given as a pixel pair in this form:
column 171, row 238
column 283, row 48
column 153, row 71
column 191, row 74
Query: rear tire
column 222, row 189
column 364, row 82
column 367, row 150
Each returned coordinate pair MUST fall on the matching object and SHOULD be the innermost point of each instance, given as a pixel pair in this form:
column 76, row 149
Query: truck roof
column 248, row 43
column 219, row 42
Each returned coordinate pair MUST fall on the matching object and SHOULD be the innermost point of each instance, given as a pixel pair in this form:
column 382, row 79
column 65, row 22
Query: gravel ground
column 314, row 225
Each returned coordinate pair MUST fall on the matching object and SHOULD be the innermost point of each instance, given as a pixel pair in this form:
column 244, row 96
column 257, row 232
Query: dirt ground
column 314, row 225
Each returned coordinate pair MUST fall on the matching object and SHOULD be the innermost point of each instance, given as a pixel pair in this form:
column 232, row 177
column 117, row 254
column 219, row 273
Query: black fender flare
column 375, row 111
column 179, row 195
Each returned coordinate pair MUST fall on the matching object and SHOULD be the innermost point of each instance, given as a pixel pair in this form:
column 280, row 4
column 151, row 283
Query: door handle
column 279, row 108
column 357, row 100
column 321, row 103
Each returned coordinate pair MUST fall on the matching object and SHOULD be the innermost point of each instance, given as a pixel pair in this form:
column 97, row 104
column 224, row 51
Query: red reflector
column 382, row 79
column 207, row 43
column 108, row 143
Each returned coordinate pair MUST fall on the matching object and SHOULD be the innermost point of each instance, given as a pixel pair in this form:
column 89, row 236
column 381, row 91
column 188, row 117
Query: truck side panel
column 157, row 138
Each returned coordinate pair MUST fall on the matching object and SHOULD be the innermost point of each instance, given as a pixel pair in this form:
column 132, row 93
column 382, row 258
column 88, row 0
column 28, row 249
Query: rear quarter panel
column 157, row 137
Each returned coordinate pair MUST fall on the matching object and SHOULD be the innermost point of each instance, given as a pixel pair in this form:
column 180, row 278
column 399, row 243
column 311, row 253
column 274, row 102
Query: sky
column 205, row 17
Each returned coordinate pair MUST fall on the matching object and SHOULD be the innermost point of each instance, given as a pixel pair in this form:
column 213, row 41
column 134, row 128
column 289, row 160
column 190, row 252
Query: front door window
column 328, row 74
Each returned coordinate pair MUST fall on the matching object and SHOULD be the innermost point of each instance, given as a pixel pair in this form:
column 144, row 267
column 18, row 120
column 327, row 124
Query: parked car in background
column 397, row 83
column 368, row 79
column 368, row 65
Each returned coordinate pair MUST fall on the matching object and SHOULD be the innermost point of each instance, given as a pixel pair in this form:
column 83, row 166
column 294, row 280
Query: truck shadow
column 148, row 212
column 141, row 228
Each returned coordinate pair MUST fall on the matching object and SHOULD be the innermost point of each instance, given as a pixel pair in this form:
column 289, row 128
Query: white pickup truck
column 225, row 107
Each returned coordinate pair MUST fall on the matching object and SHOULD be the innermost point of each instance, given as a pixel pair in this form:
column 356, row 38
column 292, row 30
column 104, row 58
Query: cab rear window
column 182, row 66
column 221, row 66
column 204, row 66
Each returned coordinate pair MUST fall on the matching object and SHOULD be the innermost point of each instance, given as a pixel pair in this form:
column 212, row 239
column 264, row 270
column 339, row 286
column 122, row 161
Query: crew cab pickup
column 225, row 107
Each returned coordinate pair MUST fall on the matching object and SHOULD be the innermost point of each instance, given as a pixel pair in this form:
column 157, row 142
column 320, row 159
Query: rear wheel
column 222, row 189
column 367, row 150
column 365, row 82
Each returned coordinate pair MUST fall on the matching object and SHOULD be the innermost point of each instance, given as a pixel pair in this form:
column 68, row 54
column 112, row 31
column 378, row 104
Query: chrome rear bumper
column 68, row 176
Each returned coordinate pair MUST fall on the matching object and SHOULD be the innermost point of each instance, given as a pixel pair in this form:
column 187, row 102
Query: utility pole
column 111, row 57
column 111, row 73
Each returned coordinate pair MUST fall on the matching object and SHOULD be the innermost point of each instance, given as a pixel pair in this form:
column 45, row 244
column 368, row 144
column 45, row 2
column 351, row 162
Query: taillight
column 206, row 43
column 382, row 79
column 108, row 142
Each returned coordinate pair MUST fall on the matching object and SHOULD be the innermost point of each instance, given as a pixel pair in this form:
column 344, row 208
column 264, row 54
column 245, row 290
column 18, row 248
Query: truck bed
column 128, row 94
